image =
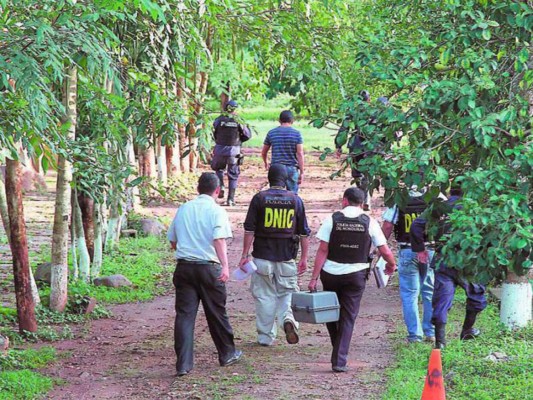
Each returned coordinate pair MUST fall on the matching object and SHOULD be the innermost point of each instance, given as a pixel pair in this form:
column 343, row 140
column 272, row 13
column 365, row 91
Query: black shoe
column 221, row 193
column 440, row 345
column 339, row 369
column 291, row 334
column 470, row 334
column 182, row 372
column 230, row 203
column 233, row 359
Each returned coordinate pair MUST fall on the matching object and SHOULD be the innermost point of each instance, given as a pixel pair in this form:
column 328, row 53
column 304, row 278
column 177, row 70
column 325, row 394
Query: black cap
column 277, row 175
column 231, row 105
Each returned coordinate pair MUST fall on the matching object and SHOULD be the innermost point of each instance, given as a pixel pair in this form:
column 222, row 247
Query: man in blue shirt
column 229, row 134
column 275, row 223
column 198, row 234
column 287, row 149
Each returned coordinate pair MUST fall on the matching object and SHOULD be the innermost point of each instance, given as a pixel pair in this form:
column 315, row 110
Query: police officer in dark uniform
column 356, row 148
column 447, row 278
column 415, row 279
column 229, row 134
column 276, row 224
column 342, row 262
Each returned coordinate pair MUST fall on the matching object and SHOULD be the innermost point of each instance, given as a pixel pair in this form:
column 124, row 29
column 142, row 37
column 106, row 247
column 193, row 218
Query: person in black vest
column 342, row 262
column 415, row 279
column 229, row 134
column 446, row 277
column 356, row 147
column 276, row 224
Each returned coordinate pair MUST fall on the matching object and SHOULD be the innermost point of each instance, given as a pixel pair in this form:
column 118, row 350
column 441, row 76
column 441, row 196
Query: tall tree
column 460, row 79
column 19, row 249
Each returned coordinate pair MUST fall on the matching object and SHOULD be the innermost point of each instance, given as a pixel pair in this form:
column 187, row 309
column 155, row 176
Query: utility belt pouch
column 296, row 245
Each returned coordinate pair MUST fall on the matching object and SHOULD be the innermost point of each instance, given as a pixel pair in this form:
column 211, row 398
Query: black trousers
column 195, row 283
column 349, row 289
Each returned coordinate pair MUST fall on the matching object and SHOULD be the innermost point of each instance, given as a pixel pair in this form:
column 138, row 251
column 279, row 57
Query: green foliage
column 468, row 374
column 178, row 190
column 461, row 99
column 17, row 380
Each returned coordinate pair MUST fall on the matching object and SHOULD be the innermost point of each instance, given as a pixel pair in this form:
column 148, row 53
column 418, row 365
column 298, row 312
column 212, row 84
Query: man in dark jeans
column 198, row 234
column 342, row 263
column 287, row 149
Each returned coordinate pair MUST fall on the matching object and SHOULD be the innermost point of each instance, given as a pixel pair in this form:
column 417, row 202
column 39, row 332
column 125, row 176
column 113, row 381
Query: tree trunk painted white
column 182, row 132
column 98, row 242
column 74, row 271
column 3, row 207
column 82, row 253
column 133, row 195
column 34, row 290
column 113, row 226
column 59, row 281
column 161, row 157
column 516, row 302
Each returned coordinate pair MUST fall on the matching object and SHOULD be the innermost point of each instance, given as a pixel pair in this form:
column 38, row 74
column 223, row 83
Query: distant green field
column 264, row 117
column 312, row 137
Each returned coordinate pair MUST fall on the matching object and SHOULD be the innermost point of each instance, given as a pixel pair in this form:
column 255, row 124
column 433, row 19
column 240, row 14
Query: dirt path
column 130, row 356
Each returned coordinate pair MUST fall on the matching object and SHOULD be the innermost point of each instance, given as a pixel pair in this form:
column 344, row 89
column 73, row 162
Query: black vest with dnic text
column 414, row 208
column 277, row 215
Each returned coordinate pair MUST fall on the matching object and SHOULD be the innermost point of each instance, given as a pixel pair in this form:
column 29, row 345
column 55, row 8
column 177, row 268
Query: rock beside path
column 152, row 227
column 112, row 281
column 4, row 345
column 43, row 273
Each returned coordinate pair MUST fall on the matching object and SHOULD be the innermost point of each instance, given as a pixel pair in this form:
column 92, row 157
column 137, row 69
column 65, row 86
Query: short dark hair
column 208, row 183
column 355, row 196
column 286, row 116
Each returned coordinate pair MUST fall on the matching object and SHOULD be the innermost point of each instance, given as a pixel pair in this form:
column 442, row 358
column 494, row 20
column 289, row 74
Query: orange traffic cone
column 434, row 386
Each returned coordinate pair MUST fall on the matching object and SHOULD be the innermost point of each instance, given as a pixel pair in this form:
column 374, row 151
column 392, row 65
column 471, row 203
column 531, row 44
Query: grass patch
column 18, row 380
column 468, row 373
column 145, row 261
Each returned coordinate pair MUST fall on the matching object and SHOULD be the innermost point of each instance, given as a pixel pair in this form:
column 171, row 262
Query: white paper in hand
column 249, row 269
column 379, row 273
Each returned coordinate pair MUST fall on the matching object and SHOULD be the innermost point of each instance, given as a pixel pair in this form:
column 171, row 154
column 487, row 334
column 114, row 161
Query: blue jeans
column 415, row 280
column 292, row 179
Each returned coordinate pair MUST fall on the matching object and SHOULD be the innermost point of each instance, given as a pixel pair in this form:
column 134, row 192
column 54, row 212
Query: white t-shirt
column 196, row 225
column 324, row 233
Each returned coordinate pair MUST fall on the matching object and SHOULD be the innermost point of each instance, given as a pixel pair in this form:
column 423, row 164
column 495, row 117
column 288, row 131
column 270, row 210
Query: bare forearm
column 222, row 252
column 247, row 243
column 304, row 243
column 301, row 162
column 264, row 153
column 320, row 259
column 387, row 255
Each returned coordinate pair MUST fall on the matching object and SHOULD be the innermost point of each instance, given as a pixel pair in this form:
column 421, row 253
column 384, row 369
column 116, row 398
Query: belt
column 200, row 262
column 429, row 246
